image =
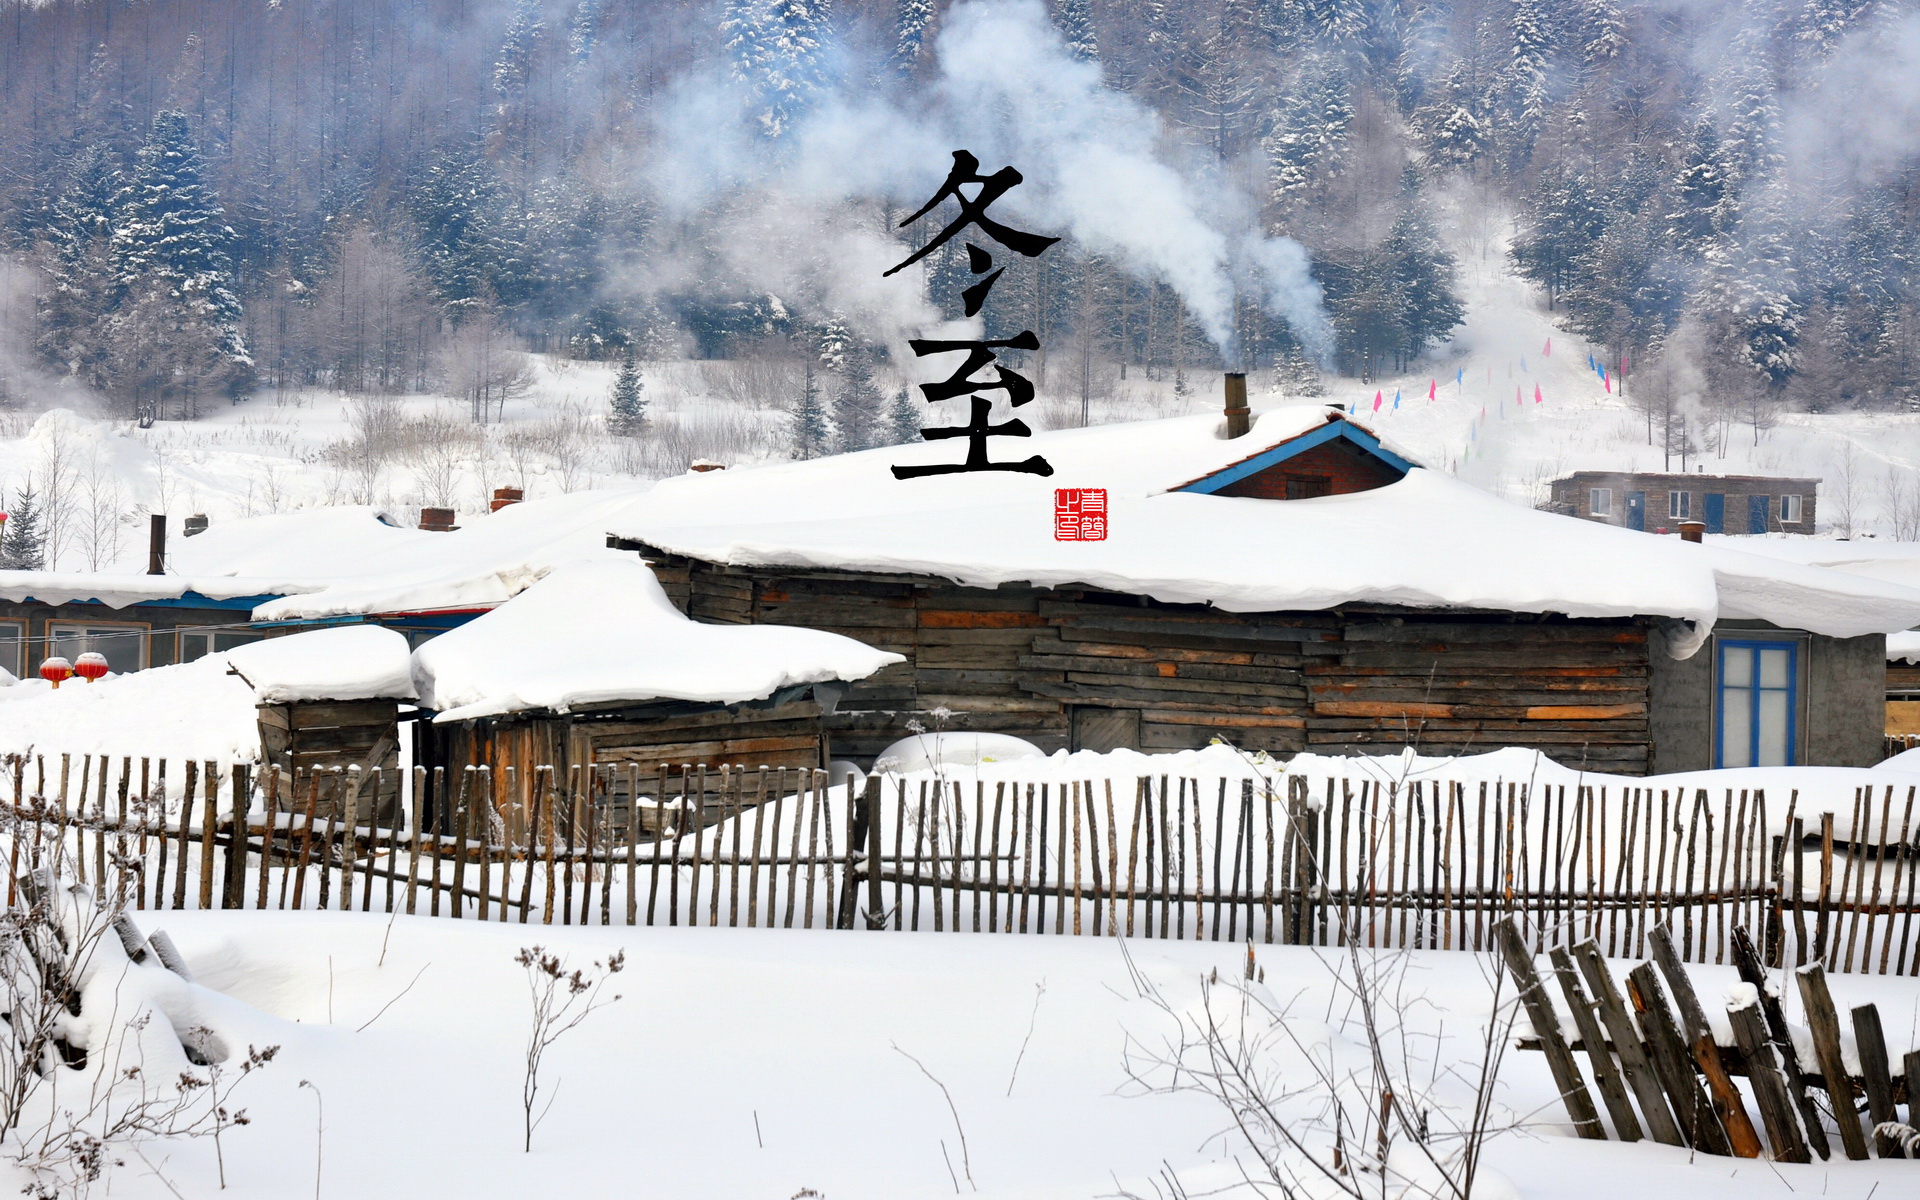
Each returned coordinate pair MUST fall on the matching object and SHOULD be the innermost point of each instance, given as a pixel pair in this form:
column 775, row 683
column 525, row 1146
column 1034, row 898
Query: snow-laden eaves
column 604, row 632
column 1427, row 541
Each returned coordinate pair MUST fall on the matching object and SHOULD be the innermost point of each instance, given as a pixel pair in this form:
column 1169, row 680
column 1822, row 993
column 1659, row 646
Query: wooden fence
column 1423, row 864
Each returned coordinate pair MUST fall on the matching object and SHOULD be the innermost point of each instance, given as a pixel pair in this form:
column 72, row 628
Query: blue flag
column 1396, row 397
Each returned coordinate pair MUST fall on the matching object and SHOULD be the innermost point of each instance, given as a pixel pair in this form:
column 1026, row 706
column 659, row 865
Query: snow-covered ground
column 745, row 1063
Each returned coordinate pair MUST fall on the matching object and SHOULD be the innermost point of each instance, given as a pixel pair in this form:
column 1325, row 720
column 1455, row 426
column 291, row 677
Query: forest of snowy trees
column 390, row 195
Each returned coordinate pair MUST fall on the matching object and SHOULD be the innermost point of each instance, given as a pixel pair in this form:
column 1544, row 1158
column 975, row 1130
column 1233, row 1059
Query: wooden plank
column 1728, row 1107
column 1871, row 1042
column 1560, row 1061
column 1777, row 1108
column 1613, row 1091
column 1825, row 1025
column 1746, row 960
column 1673, row 1063
column 1380, row 708
column 1583, row 712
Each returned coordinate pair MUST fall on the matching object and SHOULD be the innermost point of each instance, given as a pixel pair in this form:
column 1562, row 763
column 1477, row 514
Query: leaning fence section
column 1418, row 864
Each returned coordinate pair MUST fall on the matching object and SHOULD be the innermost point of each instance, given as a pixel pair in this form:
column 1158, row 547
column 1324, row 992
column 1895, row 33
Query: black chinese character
column 977, row 431
column 966, row 169
column 1017, row 387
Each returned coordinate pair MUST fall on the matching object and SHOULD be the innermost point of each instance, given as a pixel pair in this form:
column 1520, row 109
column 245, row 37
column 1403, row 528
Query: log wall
column 1022, row 660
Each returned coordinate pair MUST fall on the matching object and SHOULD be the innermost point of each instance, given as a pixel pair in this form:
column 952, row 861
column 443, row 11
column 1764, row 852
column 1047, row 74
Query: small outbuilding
column 593, row 666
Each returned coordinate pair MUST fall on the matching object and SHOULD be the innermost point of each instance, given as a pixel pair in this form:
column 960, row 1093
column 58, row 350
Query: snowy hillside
column 284, row 451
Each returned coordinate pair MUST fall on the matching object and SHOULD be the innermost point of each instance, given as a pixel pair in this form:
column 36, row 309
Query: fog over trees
column 383, row 196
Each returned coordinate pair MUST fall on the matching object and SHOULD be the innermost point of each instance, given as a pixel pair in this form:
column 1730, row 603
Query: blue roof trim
column 1207, row 485
column 187, row 600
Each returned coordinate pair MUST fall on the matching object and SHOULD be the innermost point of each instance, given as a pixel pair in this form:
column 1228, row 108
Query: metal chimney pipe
column 157, row 544
column 1692, row 531
column 1239, row 418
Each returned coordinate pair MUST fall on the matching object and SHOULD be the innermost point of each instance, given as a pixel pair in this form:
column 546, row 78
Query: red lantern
column 90, row 666
column 53, row 670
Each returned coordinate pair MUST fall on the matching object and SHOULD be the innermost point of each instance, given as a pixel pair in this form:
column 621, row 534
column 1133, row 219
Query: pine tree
column 583, row 32
column 1074, row 20
column 627, row 405
column 911, row 19
column 1700, row 190
column 1306, row 144
column 455, row 203
column 1525, row 86
column 78, row 266
column 1422, row 271
column 903, row 418
column 172, row 261
column 810, row 431
column 22, row 542
column 860, row 410
column 778, row 51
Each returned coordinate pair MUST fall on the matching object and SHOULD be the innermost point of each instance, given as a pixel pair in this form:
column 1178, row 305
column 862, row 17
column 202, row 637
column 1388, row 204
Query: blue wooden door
column 1757, row 514
column 1637, row 511
column 1716, row 512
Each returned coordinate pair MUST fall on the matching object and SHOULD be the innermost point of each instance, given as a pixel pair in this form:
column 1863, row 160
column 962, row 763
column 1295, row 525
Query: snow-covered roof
column 1426, row 541
column 604, row 632
column 202, row 709
column 1903, row 647
column 1874, row 558
column 353, row 561
column 488, row 560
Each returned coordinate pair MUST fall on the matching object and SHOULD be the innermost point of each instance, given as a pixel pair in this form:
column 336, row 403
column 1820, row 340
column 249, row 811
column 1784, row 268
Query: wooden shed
column 654, row 692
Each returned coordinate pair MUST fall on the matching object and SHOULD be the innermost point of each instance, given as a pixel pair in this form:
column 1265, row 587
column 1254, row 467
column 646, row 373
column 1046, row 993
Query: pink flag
column 1433, row 389
column 1518, row 398
column 1536, row 393
column 1376, row 402
column 1609, row 384
column 1547, row 350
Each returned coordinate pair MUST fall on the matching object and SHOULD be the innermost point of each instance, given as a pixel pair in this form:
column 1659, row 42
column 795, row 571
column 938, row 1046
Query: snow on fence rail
column 1429, row 863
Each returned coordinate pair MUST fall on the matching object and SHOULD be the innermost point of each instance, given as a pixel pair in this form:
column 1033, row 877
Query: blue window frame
column 1756, row 701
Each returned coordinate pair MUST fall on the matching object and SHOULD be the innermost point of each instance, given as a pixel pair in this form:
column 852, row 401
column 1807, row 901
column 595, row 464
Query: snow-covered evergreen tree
column 1307, row 140
column 454, row 203
column 1422, row 272
column 1074, row 20
column 79, row 271
column 810, row 429
column 1700, row 190
column 22, row 540
column 583, row 32
column 627, row 404
column 903, row 418
column 1455, row 124
column 1524, row 91
column 171, row 240
column 911, row 20
column 778, row 50
column 860, row 409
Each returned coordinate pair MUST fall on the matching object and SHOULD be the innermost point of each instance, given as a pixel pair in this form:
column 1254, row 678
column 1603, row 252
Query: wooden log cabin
column 1297, row 587
column 645, row 689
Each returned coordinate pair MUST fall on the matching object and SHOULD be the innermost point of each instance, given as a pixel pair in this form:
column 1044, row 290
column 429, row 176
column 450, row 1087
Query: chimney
column 505, row 496
column 197, row 523
column 157, row 544
column 1239, row 420
column 438, row 520
column 705, row 464
column 1691, row 531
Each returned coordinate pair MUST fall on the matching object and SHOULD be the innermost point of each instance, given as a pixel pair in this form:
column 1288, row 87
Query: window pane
column 1773, row 729
column 1736, row 724
column 1773, row 666
column 124, row 648
column 1736, row 666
